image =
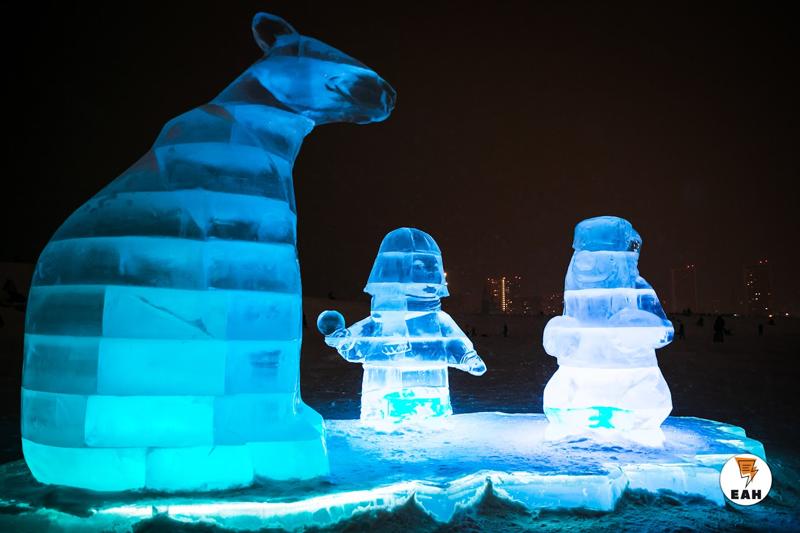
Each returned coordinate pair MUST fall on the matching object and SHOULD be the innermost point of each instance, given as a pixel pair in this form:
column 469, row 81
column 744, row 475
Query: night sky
column 513, row 123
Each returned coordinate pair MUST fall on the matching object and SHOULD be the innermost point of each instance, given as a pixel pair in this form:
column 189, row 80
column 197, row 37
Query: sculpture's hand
column 339, row 339
column 469, row 361
column 473, row 364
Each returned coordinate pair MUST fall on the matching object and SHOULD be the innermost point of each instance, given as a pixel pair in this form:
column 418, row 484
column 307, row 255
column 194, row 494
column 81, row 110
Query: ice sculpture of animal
column 608, row 376
column 164, row 324
column 407, row 342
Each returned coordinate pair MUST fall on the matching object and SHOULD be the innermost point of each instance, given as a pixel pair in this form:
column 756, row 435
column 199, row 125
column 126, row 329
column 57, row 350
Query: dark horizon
column 513, row 123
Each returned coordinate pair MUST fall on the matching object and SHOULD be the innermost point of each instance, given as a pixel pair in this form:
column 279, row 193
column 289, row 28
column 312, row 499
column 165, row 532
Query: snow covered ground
column 748, row 381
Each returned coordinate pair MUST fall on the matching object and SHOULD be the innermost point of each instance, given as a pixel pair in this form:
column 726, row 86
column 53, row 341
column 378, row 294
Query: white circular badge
column 745, row 479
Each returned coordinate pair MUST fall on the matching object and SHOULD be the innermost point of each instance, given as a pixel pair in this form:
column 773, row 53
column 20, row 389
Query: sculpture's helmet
column 610, row 234
column 409, row 263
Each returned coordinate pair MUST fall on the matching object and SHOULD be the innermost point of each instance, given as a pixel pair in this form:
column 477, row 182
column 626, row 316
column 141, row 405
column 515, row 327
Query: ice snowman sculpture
column 407, row 342
column 608, row 376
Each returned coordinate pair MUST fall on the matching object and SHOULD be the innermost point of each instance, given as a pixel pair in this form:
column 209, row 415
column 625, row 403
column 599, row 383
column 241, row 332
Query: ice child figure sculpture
column 164, row 324
column 407, row 342
column 608, row 376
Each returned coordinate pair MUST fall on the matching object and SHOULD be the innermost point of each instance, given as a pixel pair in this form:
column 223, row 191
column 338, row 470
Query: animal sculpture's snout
column 370, row 93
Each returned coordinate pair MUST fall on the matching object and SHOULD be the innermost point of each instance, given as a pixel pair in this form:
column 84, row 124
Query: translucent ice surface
column 164, row 322
column 608, row 376
column 443, row 468
column 407, row 342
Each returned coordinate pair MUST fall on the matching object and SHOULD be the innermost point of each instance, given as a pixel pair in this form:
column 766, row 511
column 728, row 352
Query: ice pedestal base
column 444, row 469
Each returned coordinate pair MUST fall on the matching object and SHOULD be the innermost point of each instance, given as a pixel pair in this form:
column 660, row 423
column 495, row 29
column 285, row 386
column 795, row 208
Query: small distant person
column 11, row 297
column 771, row 321
column 505, row 330
column 681, row 331
column 13, row 294
column 760, row 329
column 719, row 329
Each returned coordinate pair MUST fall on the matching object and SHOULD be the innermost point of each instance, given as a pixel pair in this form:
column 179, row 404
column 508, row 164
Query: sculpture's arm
column 460, row 352
column 647, row 328
column 658, row 319
column 461, row 355
column 561, row 338
column 667, row 333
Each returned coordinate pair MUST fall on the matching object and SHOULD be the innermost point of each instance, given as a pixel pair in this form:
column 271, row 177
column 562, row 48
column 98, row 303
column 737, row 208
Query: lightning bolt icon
column 747, row 469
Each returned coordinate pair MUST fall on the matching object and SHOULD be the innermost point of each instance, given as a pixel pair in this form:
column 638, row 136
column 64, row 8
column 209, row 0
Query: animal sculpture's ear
column 267, row 28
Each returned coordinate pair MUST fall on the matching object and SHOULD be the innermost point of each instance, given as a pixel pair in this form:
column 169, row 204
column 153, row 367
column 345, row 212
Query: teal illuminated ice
column 407, row 342
column 436, row 471
column 608, row 376
column 164, row 323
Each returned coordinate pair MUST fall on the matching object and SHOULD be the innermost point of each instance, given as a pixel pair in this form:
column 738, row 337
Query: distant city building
column 502, row 295
column 527, row 305
column 553, row 304
column 684, row 289
column 758, row 288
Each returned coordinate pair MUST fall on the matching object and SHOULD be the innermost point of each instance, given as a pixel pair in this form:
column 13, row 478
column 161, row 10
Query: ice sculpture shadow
column 608, row 383
column 408, row 342
column 164, row 323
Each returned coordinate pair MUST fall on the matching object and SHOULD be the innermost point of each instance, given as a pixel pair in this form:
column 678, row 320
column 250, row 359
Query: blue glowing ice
column 164, row 323
column 442, row 469
column 407, row 342
column 608, row 376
